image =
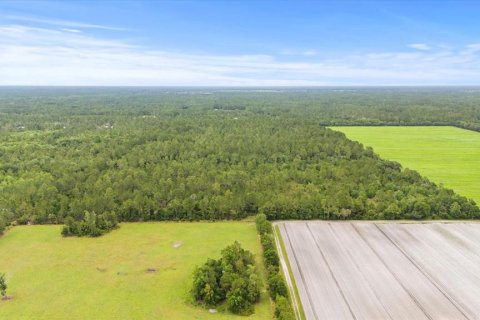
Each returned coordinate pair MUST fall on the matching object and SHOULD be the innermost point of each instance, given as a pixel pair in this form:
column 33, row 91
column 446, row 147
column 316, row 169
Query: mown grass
column 445, row 155
column 51, row 277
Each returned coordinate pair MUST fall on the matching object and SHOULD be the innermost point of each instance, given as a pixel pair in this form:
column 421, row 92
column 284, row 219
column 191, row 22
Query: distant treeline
column 181, row 154
column 53, row 108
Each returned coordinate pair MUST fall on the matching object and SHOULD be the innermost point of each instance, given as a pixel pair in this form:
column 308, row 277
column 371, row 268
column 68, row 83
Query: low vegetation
column 232, row 280
column 3, row 286
column 2, row 225
column 277, row 287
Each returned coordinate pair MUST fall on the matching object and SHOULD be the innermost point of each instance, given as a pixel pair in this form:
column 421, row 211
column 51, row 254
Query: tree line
column 277, row 287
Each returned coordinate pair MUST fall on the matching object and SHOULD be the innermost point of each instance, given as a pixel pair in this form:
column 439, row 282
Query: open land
column 445, row 155
column 140, row 271
column 368, row 270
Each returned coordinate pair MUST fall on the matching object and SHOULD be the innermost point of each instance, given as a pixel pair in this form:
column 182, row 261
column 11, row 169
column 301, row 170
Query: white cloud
column 310, row 52
column 70, row 30
column 44, row 56
column 57, row 22
column 420, row 46
column 307, row 53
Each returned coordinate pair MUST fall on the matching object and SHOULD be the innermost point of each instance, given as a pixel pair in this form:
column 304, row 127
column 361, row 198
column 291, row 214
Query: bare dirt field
column 370, row 270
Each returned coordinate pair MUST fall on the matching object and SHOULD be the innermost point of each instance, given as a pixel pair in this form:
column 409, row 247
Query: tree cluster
column 277, row 287
column 231, row 280
column 92, row 225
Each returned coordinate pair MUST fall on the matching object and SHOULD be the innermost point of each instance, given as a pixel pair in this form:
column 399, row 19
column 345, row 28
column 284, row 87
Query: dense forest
column 189, row 154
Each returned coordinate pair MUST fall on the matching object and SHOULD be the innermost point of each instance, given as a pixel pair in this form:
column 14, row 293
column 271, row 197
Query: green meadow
column 446, row 155
column 51, row 277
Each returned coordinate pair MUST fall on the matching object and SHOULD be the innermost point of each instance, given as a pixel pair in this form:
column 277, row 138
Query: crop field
column 445, row 155
column 367, row 270
column 140, row 271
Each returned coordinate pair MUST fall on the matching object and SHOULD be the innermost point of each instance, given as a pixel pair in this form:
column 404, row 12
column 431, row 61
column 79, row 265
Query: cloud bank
column 67, row 54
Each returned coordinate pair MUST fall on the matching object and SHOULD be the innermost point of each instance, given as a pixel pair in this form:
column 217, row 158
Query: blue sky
column 240, row 43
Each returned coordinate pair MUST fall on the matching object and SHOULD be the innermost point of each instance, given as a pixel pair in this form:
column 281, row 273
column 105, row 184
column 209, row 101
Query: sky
column 240, row 43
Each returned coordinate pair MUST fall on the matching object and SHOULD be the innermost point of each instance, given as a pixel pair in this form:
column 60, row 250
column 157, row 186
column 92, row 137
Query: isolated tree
column 3, row 285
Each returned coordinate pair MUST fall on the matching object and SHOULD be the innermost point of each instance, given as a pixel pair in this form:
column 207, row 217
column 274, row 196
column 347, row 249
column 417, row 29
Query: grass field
column 51, row 277
column 445, row 155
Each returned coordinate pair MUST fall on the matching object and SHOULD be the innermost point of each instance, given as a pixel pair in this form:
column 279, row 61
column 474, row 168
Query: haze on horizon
column 239, row 43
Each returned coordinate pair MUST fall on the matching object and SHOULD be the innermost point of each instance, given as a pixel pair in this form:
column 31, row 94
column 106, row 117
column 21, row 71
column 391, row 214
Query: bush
column 3, row 285
column 271, row 257
column 263, row 225
column 283, row 309
column 276, row 286
column 269, row 250
column 3, row 225
column 267, row 241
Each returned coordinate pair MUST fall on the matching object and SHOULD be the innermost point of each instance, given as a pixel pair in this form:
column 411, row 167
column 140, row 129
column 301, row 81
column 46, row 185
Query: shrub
column 2, row 225
column 271, row 257
column 276, row 286
column 283, row 309
column 267, row 241
column 263, row 225
column 3, row 285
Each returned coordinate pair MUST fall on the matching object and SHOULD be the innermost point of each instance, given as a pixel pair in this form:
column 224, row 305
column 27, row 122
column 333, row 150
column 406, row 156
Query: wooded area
column 181, row 154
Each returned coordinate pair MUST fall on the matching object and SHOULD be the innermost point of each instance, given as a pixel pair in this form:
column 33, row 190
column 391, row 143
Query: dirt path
column 290, row 285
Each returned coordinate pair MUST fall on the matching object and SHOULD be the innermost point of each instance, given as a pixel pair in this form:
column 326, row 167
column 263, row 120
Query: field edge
column 287, row 273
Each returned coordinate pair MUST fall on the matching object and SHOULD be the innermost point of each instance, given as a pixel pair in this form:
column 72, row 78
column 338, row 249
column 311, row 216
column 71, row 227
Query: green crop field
column 51, row 277
column 445, row 155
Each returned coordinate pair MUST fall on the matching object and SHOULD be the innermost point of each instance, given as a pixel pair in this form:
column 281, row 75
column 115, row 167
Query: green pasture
column 446, row 155
column 51, row 277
